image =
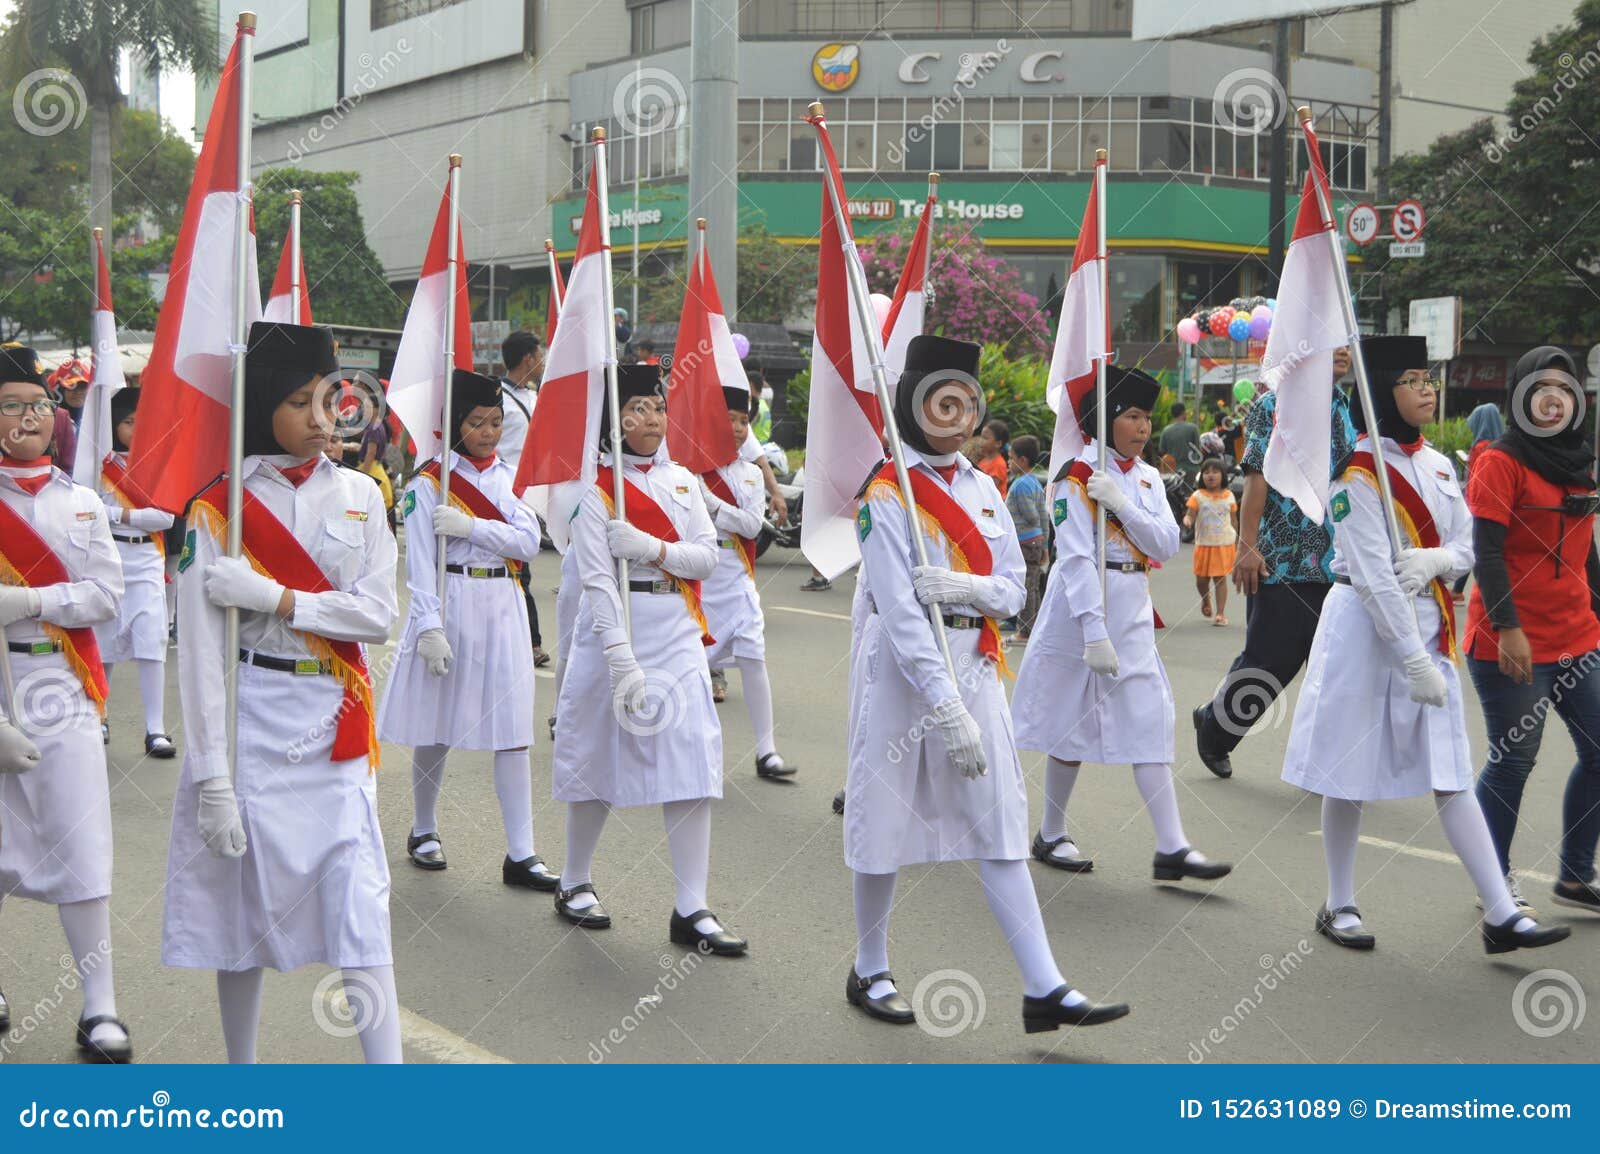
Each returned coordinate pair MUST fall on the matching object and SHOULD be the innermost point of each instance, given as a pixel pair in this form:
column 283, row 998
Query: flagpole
column 614, row 406
column 1100, row 363
column 555, row 273
column 296, row 289
column 856, row 278
column 1353, row 335
column 241, row 252
column 927, row 249
column 452, row 246
column 102, row 402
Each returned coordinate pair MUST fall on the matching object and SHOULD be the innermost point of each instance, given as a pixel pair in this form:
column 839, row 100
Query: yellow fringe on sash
column 457, row 503
column 1112, row 527
column 75, row 662
column 1436, row 587
column 122, row 499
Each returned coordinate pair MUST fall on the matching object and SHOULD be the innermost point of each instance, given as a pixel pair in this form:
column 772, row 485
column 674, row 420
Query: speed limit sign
column 1362, row 223
column 1406, row 224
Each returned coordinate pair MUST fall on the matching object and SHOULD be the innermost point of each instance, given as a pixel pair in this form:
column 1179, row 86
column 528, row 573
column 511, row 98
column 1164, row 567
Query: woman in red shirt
column 1533, row 623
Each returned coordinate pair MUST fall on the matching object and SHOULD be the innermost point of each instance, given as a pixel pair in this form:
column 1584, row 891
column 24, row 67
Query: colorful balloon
column 1188, row 330
column 741, row 345
column 1220, row 319
column 1244, row 390
column 1239, row 328
column 1260, row 324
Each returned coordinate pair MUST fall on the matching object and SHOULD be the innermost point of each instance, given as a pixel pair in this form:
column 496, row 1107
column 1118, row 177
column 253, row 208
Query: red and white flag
column 420, row 377
column 1083, row 337
column 180, row 443
column 1307, row 326
column 558, row 290
column 844, row 428
column 905, row 311
column 699, row 436
column 95, row 434
column 280, row 301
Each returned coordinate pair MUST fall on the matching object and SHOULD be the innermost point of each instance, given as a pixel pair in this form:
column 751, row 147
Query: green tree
column 49, row 280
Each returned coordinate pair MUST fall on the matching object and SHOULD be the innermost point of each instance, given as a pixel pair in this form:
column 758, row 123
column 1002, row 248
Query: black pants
column 533, row 608
column 1280, row 622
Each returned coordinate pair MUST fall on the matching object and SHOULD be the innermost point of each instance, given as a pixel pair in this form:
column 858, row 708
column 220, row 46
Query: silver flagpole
column 618, row 485
column 452, row 243
column 555, row 273
column 857, row 278
column 1100, row 365
column 296, row 289
column 927, row 252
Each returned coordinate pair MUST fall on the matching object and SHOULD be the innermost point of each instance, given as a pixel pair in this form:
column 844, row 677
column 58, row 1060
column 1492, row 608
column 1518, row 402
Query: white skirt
column 139, row 632
column 733, row 611
column 55, row 819
column 486, row 700
column 1357, row 734
column 907, row 804
column 313, row 884
column 1066, row 710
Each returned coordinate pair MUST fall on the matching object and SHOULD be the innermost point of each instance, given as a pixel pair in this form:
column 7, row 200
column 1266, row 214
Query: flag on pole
column 844, row 428
column 1083, row 336
column 280, row 302
column 905, row 312
column 420, row 377
column 704, row 362
column 1307, row 326
column 95, row 435
column 557, row 292
column 180, row 443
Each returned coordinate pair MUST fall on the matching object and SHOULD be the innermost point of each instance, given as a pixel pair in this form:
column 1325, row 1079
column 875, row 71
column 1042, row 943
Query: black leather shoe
column 5, row 1013
column 1352, row 939
column 1171, row 867
column 1045, row 851
column 529, row 873
column 589, row 918
column 1047, row 1013
column 1502, row 939
column 112, row 1053
column 720, row 941
column 159, row 745
column 892, row 1007
column 774, row 767
column 838, row 802
column 552, row 727
column 433, row 859
column 1214, row 759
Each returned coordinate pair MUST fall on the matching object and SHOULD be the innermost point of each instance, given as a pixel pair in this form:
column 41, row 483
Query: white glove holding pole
column 218, row 818
column 936, row 585
column 1105, row 491
column 230, row 581
column 17, row 753
column 1101, row 658
column 1427, row 683
column 435, row 651
column 630, row 544
column 17, row 603
column 963, row 740
column 448, row 521
column 626, row 676
column 1417, row 568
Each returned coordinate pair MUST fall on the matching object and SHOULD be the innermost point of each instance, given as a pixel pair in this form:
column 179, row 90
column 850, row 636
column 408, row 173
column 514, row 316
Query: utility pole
column 713, row 139
column 1278, row 157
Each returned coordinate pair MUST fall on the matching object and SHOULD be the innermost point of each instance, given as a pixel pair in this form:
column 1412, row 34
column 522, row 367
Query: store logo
column 836, row 66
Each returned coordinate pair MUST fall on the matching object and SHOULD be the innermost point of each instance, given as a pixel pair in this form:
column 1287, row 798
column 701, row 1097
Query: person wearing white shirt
column 519, row 388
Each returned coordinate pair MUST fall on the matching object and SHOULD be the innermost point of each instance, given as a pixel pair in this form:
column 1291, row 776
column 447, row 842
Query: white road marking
column 442, row 1044
column 811, row 612
column 1435, row 855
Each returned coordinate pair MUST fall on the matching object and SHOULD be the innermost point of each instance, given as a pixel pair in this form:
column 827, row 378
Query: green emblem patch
column 411, row 503
column 1060, row 510
column 1341, row 506
column 186, row 558
column 863, row 521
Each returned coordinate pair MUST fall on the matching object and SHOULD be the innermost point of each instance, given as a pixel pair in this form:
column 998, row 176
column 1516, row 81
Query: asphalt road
column 1223, row 973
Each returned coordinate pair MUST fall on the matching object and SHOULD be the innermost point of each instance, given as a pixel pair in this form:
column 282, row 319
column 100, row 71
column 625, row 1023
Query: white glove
column 1105, row 491
column 963, row 740
column 1427, row 683
column 17, row 602
column 936, row 584
column 1416, row 568
column 434, row 651
column 452, row 522
column 630, row 544
column 218, row 818
column 114, row 514
column 1101, row 658
column 626, row 676
column 231, row 581
column 17, row 753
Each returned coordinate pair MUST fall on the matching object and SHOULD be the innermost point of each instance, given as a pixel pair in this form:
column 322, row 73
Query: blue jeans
column 1515, row 717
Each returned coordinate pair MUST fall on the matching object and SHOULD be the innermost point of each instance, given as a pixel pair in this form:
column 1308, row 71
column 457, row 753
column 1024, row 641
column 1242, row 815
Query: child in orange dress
column 1213, row 515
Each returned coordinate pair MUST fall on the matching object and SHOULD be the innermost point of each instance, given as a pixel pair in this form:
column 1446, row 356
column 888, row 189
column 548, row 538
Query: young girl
column 276, row 860
column 933, row 773
column 1380, row 713
column 463, row 678
column 735, row 500
column 993, row 449
column 636, row 725
column 1092, row 686
column 1214, row 516
column 139, row 634
column 59, row 576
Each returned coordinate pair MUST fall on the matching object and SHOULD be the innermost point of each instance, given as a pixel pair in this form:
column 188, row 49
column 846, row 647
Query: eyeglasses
column 1429, row 385
column 15, row 408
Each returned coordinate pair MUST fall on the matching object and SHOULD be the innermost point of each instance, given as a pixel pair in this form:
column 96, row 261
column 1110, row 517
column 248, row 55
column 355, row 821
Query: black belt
column 34, row 648
column 479, row 570
column 961, row 621
column 132, row 540
column 1340, row 579
column 662, row 585
column 300, row 666
column 1126, row 566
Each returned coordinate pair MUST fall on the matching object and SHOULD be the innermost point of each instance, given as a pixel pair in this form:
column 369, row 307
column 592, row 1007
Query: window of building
column 658, row 25
column 387, row 12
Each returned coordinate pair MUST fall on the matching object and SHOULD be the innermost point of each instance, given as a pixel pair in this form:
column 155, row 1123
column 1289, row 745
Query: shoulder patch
column 411, row 503
column 1340, row 507
column 1059, row 510
column 186, row 558
column 863, row 521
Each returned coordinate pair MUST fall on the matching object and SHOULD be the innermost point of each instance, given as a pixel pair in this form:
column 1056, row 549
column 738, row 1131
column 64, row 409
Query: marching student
column 1380, row 714
column 734, row 498
column 139, row 633
column 1092, row 686
column 463, row 678
column 276, row 860
column 59, row 577
column 933, row 772
column 636, row 723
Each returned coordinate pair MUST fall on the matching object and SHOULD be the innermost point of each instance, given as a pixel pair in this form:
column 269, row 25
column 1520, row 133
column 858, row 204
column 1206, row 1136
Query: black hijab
column 633, row 381
column 1562, row 455
column 936, row 367
column 1387, row 360
column 280, row 360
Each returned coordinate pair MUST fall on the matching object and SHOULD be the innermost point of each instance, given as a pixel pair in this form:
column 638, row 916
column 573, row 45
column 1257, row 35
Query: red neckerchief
column 948, row 472
column 1410, row 450
column 297, row 474
column 29, row 485
column 478, row 463
column 1125, row 463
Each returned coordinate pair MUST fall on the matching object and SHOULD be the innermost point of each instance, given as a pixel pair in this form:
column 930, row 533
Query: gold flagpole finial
column 294, row 196
column 1303, row 112
column 247, row 21
column 1100, row 155
column 700, row 223
column 98, row 233
column 599, row 134
column 548, row 245
column 455, row 160
column 814, row 108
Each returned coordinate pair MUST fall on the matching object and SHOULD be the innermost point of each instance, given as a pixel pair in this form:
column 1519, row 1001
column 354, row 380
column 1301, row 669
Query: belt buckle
column 662, row 585
column 41, row 648
column 724, row 544
column 477, row 571
column 307, row 667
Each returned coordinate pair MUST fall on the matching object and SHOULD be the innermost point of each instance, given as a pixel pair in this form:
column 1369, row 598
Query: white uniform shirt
column 744, row 518
column 72, row 521
column 135, row 522
column 516, row 406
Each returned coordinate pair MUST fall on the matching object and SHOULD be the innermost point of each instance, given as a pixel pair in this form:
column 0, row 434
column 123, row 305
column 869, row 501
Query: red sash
column 470, row 499
column 944, row 519
column 744, row 546
column 272, row 550
column 128, row 494
column 647, row 516
column 26, row 559
column 1420, row 531
column 1080, row 472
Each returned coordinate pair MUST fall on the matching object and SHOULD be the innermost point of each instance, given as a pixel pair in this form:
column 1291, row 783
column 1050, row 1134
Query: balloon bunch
column 1241, row 319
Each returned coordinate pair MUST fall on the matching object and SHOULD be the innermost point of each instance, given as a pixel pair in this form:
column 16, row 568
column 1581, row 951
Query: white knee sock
column 874, row 898
column 513, row 785
column 758, row 700
column 1341, row 833
column 585, row 820
column 88, row 929
column 1008, row 887
column 427, row 779
column 376, row 1009
column 239, row 999
column 689, row 842
column 1161, row 803
column 153, row 688
column 1059, row 778
column 1464, row 825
